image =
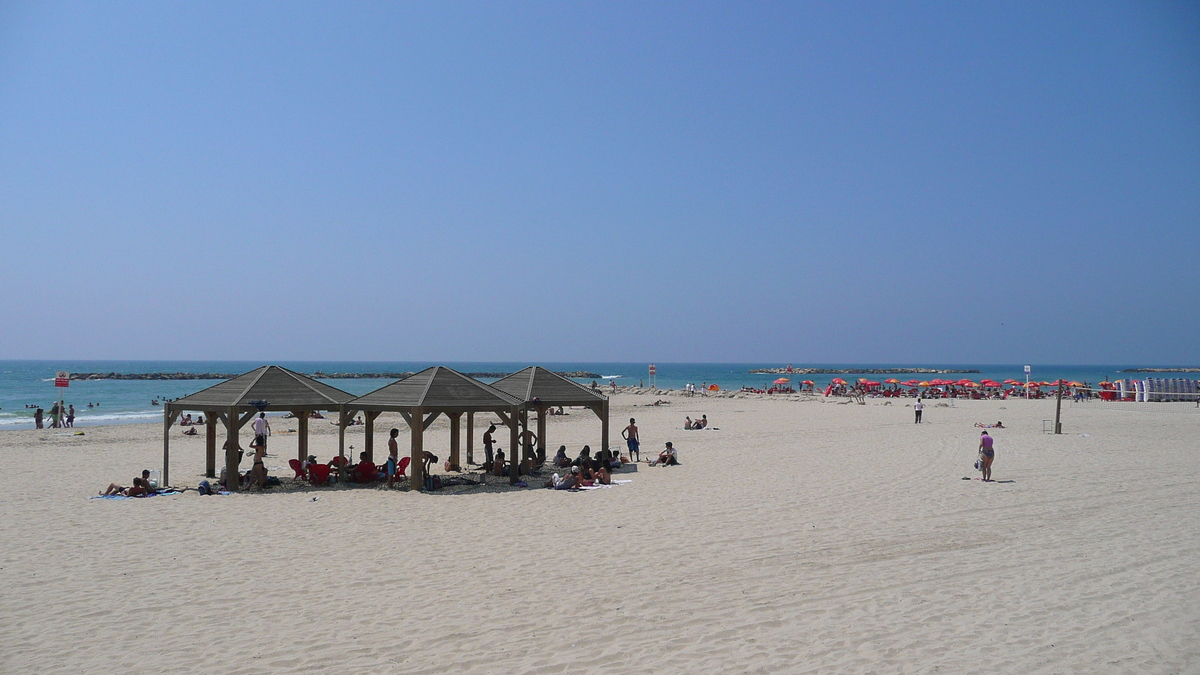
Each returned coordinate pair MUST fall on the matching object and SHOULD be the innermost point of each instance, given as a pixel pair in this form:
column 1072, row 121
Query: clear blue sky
column 795, row 182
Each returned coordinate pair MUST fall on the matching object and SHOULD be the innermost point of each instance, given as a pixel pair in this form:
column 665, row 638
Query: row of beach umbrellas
column 986, row 383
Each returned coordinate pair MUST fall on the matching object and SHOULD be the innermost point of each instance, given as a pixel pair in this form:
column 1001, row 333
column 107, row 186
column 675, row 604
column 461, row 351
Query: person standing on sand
column 71, row 415
column 917, row 408
column 986, row 455
column 262, row 429
column 37, row 418
column 393, row 456
column 488, row 442
column 630, row 434
column 527, row 439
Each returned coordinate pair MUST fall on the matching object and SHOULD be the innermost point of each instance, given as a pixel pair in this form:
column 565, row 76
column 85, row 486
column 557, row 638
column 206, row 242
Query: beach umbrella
column 1013, row 382
column 990, row 383
column 1074, row 384
column 966, row 383
column 923, row 384
column 910, row 383
column 838, row 380
column 1033, row 384
column 782, row 380
column 892, row 380
column 808, row 382
column 870, row 383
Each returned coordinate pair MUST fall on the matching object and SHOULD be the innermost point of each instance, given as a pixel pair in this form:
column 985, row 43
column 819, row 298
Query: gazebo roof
column 436, row 389
column 282, row 389
column 548, row 387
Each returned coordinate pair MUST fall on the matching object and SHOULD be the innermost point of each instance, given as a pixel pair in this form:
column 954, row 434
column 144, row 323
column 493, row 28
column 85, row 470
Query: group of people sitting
column 187, row 421
column 140, row 488
column 585, row 470
column 701, row 423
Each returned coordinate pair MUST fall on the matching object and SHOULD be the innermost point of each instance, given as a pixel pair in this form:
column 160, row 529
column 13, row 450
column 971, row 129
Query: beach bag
column 977, row 465
column 204, row 488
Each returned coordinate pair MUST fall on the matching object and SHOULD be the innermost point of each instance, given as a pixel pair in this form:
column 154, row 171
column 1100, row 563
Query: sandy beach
column 797, row 537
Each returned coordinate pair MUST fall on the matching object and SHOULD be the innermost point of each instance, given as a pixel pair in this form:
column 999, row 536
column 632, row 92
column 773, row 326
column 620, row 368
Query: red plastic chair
column 318, row 474
column 298, row 467
column 401, row 467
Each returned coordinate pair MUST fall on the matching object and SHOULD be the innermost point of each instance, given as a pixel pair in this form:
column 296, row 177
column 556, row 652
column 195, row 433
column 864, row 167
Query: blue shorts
column 391, row 470
column 632, row 443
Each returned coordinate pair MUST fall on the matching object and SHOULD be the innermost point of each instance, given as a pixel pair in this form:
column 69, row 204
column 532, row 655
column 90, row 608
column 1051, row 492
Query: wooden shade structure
column 541, row 388
column 235, row 401
column 422, row 397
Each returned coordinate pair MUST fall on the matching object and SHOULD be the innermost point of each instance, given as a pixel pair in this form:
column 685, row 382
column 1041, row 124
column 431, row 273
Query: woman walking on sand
column 986, row 455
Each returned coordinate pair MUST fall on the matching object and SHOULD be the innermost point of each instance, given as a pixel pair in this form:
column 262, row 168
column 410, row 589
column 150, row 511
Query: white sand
column 801, row 537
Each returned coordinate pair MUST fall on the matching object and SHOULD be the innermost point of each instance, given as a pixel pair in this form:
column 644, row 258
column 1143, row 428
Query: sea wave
column 611, row 377
column 10, row 419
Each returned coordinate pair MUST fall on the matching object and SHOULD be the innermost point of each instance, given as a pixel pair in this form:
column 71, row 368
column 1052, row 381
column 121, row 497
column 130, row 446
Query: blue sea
column 31, row 383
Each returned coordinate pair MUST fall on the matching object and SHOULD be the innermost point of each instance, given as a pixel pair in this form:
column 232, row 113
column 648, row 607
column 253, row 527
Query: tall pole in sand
column 1026, row 383
column 1058, row 409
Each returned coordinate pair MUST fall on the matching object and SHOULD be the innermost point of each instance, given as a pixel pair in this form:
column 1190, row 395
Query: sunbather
column 561, row 460
column 667, row 457
column 140, row 488
column 566, row 482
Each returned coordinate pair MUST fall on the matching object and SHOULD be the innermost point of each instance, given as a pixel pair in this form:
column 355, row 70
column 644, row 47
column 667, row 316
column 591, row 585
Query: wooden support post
column 233, row 480
column 604, row 425
column 513, row 443
column 302, row 442
column 168, row 419
column 471, row 437
column 210, row 443
column 1058, row 409
column 342, row 433
column 416, row 465
column 369, row 440
column 455, row 433
column 541, row 434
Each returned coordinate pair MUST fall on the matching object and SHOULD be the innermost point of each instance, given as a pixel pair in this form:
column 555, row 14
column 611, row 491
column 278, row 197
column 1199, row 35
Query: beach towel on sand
column 597, row 487
column 152, row 494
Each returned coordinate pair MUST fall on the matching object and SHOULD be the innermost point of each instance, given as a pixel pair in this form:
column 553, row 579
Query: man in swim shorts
column 986, row 455
column 262, row 429
column 393, row 456
column 630, row 434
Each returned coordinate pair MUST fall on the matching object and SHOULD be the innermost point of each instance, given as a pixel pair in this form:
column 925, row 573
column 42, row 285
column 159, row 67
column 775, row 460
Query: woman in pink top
column 986, row 455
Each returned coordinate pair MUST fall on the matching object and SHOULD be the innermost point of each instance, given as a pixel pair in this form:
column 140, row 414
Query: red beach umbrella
column 782, row 380
column 910, row 383
column 808, row 382
column 838, row 380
